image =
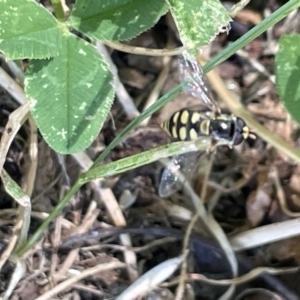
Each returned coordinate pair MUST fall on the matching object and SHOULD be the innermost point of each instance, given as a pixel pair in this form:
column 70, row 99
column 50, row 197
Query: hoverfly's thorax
column 221, row 129
column 230, row 128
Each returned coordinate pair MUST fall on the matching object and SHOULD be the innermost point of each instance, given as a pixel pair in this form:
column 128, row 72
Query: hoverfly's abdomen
column 186, row 125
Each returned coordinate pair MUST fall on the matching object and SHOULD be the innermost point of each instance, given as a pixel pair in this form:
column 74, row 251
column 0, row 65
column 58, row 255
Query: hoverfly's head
column 242, row 132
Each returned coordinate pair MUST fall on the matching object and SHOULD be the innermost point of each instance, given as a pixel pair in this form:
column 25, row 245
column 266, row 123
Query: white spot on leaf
column 89, row 118
column 82, row 52
column 62, row 133
column 82, row 106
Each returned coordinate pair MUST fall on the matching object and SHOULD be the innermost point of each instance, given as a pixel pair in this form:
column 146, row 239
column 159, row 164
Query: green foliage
column 74, row 95
column 70, row 80
column 116, row 20
column 27, row 30
column 73, row 88
column 199, row 21
column 141, row 159
column 287, row 65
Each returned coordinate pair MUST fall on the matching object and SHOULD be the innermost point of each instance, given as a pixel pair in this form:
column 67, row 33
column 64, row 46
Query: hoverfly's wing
column 176, row 172
column 191, row 71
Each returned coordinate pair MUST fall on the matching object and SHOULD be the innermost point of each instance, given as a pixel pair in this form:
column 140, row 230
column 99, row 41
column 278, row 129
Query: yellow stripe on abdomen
column 182, row 133
column 185, row 117
column 193, row 134
column 173, row 132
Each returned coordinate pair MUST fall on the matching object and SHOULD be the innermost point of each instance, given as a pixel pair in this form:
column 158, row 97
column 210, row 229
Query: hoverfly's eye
column 241, row 131
column 240, row 124
column 238, row 138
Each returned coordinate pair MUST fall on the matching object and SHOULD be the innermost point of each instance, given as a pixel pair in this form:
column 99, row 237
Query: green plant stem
column 58, row 10
column 144, row 158
column 56, row 211
column 268, row 22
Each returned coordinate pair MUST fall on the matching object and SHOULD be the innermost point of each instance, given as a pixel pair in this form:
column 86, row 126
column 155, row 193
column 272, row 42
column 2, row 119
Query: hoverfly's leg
column 213, row 146
column 217, row 112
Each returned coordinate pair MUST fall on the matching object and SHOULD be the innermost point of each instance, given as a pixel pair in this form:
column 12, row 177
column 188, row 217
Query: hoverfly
column 189, row 125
